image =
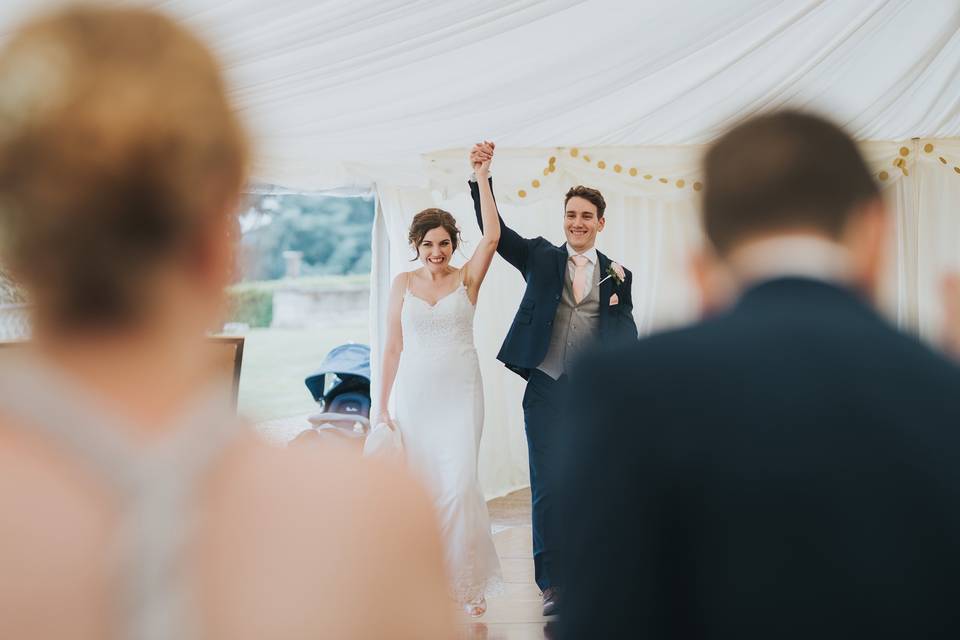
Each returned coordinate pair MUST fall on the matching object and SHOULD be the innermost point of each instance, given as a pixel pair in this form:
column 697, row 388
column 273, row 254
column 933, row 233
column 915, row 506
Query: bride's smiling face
column 435, row 249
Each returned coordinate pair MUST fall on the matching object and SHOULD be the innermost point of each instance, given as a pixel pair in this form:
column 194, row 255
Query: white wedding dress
column 439, row 410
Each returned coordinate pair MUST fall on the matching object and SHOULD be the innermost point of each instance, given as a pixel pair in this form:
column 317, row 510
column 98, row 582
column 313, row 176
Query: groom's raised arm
column 514, row 248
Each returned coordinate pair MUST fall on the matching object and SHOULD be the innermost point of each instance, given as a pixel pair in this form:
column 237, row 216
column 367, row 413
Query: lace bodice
column 446, row 325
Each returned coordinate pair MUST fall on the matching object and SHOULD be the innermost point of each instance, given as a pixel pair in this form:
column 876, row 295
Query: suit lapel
column 606, row 289
column 562, row 258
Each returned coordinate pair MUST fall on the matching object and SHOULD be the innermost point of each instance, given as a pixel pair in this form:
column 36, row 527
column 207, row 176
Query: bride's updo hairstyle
column 430, row 219
column 118, row 152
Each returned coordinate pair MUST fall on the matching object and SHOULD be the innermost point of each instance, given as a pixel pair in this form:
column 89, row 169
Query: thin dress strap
column 155, row 486
column 463, row 285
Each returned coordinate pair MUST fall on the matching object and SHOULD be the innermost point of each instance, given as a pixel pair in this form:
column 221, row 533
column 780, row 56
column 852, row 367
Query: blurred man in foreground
column 788, row 468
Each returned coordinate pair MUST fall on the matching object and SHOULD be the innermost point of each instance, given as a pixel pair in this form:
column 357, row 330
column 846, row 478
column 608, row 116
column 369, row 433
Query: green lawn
column 275, row 362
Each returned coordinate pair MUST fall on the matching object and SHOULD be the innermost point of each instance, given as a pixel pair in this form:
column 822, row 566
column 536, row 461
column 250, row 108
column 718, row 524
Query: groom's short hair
column 781, row 171
column 590, row 195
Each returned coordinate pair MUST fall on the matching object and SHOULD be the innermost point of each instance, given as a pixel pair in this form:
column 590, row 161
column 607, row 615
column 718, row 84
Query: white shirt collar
column 796, row 255
column 590, row 254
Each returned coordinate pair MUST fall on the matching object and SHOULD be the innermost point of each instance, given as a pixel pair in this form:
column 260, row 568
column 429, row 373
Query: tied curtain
column 652, row 227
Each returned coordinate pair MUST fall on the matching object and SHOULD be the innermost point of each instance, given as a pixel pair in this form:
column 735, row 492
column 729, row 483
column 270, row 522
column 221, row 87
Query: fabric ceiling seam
column 424, row 116
column 785, row 27
column 779, row 97
column 386, row 53
column 921, row 70
column 740, row 24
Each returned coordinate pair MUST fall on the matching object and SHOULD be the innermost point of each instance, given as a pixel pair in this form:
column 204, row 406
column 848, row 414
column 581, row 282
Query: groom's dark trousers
column 542, row 415
column 544, row 267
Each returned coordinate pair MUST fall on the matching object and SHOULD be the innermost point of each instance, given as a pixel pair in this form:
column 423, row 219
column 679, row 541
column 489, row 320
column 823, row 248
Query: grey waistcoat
column 574, row 327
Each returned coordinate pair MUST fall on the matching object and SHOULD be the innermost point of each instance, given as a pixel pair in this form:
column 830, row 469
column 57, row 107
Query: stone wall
column 299, row 306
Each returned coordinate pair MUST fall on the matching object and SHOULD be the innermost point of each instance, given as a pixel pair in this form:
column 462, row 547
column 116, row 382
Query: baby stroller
column 342, row 389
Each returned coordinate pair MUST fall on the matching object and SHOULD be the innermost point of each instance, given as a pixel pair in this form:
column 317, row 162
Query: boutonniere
column 616, row 272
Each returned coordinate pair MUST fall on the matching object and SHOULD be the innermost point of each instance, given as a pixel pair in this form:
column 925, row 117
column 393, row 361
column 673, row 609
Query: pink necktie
column 579, row 277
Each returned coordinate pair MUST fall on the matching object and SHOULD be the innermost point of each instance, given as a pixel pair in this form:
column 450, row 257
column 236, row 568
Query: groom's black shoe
column 551, row 601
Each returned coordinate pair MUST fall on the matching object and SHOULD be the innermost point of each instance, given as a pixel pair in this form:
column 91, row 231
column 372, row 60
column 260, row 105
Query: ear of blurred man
column 714, row 281
column 865, row 236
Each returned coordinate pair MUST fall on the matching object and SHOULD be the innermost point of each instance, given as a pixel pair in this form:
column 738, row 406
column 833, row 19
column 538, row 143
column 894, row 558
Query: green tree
column 332, row 233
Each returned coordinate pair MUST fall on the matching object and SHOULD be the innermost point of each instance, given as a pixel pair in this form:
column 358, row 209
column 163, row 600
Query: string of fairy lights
column 900, row 163
column 603, row 165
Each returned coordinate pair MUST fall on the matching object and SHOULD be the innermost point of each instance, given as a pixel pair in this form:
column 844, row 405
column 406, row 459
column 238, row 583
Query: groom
column 575, row 297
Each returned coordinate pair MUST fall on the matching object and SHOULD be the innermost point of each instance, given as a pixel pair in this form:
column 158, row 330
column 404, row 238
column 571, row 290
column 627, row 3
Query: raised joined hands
column 480, row 158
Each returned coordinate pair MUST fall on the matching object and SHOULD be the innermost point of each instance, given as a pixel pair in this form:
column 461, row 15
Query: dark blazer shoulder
column 543, row 243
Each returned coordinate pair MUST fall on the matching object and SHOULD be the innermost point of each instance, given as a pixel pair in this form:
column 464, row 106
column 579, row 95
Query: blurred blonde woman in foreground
column 132, row 503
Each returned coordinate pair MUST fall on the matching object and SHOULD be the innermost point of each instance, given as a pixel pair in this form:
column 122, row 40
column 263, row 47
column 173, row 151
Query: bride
column 431, row 364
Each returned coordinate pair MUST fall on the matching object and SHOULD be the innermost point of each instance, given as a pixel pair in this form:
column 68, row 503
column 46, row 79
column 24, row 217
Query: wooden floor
column 515, row 614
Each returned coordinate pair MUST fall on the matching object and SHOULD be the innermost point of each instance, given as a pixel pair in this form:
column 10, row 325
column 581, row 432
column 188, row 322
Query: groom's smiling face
column 581, row 224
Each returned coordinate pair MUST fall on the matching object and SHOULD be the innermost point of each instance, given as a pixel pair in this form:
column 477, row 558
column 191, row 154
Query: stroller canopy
column 347, row 360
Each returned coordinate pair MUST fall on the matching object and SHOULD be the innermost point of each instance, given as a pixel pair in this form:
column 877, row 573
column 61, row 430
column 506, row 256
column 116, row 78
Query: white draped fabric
column 353, row 92
column 365, row 92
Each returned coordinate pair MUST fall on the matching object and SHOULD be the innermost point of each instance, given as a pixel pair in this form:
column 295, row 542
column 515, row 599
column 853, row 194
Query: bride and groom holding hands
column 575, row 297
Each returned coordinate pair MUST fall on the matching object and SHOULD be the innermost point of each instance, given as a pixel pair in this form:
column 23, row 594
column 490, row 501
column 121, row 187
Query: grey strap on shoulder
column 155, row 486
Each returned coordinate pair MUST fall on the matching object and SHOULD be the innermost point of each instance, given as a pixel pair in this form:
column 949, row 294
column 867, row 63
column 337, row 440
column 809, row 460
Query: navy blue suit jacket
column 789, row 470
column 543, row 265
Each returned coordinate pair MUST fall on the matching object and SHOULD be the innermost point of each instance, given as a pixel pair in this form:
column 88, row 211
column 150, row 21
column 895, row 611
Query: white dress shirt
column 592, row 259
